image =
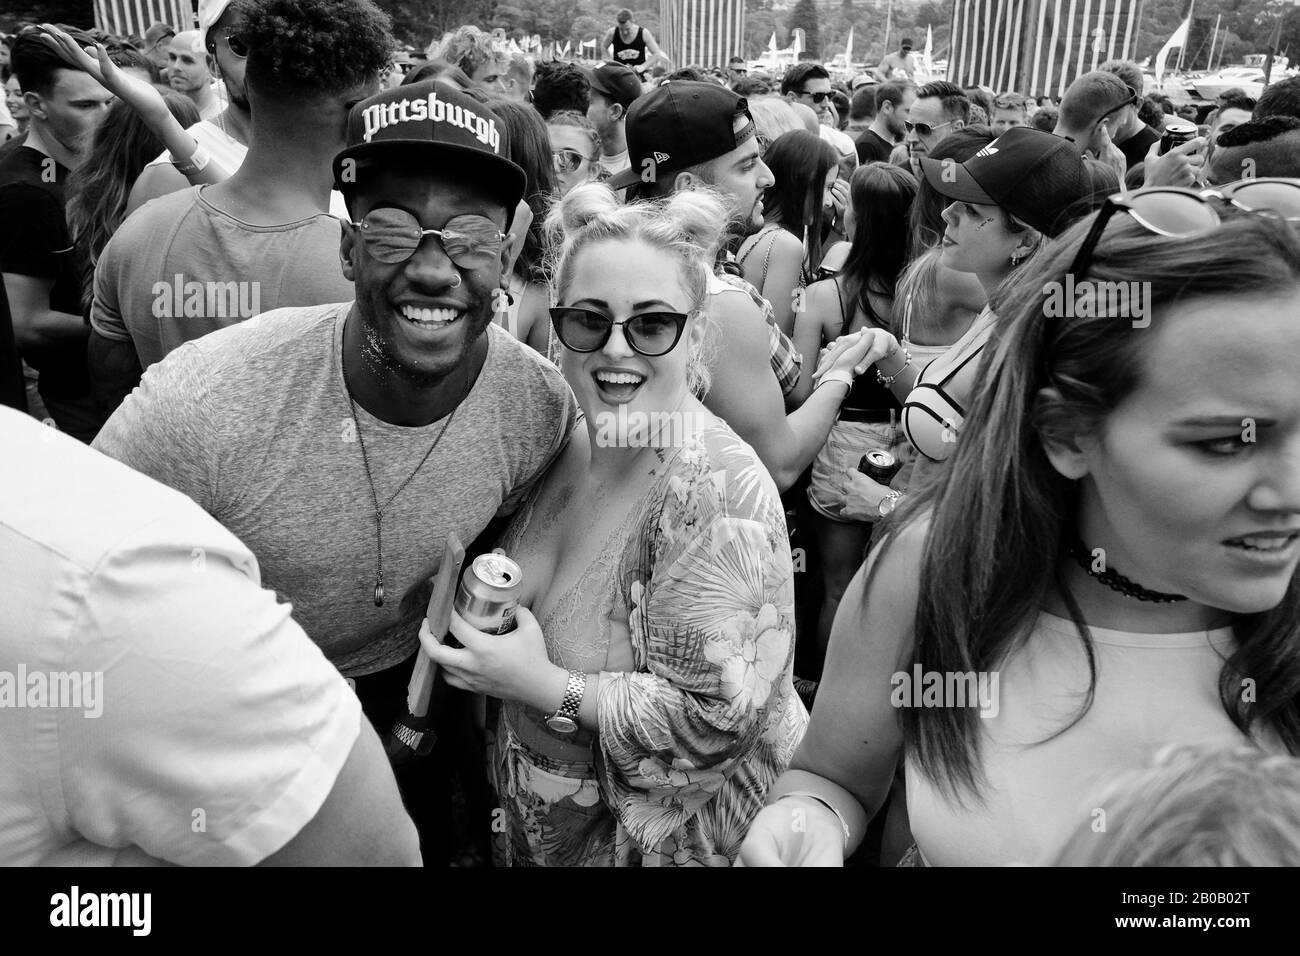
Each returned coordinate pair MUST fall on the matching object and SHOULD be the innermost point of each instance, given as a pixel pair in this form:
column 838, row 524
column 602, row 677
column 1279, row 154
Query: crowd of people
column 894, row 471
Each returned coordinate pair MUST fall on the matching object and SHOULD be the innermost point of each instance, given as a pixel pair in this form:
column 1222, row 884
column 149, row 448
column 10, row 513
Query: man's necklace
column 370, row 482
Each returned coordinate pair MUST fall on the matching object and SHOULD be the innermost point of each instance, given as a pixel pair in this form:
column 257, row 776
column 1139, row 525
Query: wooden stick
column 438, row 615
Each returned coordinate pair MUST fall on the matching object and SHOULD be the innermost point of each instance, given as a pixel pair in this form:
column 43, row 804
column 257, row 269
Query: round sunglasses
column 392, row 236
column 650, row 334
column 568, row 160
column 1187, row 213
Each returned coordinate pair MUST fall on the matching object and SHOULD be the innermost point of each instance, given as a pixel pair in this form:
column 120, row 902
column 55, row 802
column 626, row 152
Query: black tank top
column 630, row 54
column 866, row 393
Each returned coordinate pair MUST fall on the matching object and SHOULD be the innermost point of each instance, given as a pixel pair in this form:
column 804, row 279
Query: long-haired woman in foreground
column 1106, row 565
column 647, row 695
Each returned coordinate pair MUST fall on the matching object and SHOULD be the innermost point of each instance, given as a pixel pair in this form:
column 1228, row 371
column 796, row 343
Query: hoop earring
column 456, row 284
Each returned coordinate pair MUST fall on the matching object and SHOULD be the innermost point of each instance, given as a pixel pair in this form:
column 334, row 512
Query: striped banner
column 702, row 32
column 127, row 17
column 1037, row 47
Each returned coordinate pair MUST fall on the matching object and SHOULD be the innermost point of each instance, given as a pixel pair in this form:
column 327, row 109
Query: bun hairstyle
column 690, row 224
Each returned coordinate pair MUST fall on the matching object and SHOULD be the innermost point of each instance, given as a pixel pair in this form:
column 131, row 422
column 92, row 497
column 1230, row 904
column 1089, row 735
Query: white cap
column 210, row 12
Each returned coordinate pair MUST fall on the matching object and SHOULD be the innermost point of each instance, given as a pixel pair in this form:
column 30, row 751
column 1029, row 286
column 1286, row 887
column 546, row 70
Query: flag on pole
column 848, row 50
column 927, row 58
column 1175, row 41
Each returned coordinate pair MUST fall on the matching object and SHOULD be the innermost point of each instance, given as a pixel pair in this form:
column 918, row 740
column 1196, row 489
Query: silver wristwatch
column 888, row 504
column 565, row 720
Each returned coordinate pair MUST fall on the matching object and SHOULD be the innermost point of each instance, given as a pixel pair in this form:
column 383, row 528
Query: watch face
column 561, row 725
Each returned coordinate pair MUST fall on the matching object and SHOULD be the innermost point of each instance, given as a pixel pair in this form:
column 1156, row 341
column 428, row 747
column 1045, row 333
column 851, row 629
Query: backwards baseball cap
column 620, row 83
column 679, row 124
column 439, row 123
column 1032, row 174
column 210, row 12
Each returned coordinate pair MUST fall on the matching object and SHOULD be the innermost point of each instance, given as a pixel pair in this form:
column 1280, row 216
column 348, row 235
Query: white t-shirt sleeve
column 222, row 726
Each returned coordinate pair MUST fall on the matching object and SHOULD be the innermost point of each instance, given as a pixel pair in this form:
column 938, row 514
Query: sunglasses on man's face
column 1185, row 213
column 392, row 236
column 651, row 333
column 568, row 160
column 924, row 129
column 237, row 45
column 815, row 97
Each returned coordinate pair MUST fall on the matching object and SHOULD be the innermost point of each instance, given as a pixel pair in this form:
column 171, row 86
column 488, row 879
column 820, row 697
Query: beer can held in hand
column 879, row 466
column 1176, row 133
column 489, row 593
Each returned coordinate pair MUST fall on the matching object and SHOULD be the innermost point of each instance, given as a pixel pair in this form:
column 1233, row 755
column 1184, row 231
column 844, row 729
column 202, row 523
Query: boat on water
column 1247, row 76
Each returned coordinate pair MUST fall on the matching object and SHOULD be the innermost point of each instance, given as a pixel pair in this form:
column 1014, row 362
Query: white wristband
column 825, row 803
column 197, row 162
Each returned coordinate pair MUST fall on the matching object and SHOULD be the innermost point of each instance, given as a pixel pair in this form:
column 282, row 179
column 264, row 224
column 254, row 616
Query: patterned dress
column 703, row 717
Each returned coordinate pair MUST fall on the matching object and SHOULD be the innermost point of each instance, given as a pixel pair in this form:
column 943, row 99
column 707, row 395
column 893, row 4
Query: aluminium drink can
column 879, row 466
column 489, row 593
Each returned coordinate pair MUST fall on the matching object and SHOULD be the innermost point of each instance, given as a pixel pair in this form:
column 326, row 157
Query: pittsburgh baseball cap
column 679, row 124
column 1034, row 175
column 618, row 82
column 431, row 119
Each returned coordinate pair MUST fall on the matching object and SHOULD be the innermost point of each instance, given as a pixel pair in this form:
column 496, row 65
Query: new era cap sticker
column 380, row 116
column 660, row 157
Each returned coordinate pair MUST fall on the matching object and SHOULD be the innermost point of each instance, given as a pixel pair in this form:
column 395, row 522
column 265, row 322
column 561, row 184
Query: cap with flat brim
column 435, row 123
column 1036, row 176
column 953, row 180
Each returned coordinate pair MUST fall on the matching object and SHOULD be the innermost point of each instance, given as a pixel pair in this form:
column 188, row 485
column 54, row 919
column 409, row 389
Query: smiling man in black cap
column 343, row 442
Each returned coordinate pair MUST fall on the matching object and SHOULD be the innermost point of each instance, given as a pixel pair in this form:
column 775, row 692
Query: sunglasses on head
column 1186, row 213
column 815, row 97
column 650, row 334
column 568, row 160
column 925, row 129
column 392, row 236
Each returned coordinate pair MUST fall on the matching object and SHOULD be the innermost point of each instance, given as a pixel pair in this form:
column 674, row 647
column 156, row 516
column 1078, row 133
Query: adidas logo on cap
column 988, row 150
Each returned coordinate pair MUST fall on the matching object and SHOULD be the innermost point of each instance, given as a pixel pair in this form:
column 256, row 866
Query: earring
column 456, row 284
column 1017, row 259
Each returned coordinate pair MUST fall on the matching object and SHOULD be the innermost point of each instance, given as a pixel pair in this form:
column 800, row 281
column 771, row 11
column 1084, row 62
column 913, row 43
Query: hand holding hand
column 856, row 352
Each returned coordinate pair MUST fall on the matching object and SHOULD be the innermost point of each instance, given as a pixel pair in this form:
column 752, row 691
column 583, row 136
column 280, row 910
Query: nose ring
column 456, row 284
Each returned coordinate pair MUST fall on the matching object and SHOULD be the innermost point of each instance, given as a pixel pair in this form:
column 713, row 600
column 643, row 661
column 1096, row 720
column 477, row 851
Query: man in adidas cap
column 689, row 134
column 343, row 442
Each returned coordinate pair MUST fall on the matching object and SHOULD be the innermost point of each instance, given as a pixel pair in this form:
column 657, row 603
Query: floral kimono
column 695, row 731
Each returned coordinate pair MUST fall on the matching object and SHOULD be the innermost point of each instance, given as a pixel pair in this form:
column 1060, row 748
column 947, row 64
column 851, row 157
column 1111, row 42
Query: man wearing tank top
column 628, row 43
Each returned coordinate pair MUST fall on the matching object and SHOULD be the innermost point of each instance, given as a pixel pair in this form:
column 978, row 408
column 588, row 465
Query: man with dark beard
column 342, row 443
column 225, row 136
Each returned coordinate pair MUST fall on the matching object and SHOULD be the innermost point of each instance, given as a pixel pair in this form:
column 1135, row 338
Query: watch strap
column 574, row 691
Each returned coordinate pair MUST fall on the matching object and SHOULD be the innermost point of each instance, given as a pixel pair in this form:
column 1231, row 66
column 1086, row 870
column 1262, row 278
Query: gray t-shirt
column 253, row 423
column 179, row 268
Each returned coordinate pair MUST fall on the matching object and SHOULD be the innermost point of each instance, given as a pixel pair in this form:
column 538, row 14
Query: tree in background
column 804, row 17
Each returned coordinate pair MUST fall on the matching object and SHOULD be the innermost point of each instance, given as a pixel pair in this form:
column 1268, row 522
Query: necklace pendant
column 379, row 594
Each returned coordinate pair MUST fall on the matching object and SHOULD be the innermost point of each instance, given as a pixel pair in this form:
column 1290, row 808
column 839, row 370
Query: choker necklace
column 370, row 481
column 1116, row 581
